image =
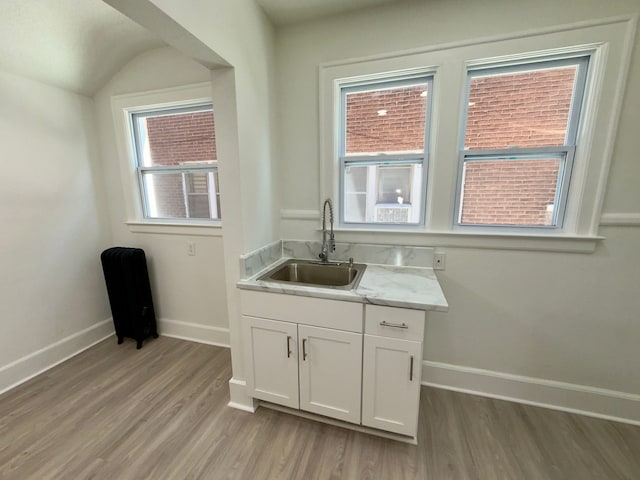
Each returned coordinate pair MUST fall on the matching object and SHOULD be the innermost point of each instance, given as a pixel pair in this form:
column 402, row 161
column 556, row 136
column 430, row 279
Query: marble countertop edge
column 385, row 285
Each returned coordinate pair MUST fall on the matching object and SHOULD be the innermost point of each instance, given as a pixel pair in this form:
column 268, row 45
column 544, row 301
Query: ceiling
column 79, row 45
column 284, row 12
column 74, row 44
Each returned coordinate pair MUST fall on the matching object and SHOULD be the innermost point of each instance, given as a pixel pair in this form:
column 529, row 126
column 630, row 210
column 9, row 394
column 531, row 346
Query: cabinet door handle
column 411, row 369
column 304, row 349
column 394, row 325
column 289, row 346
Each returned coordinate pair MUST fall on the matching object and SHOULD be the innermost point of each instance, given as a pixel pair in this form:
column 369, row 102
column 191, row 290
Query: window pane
column 181, row 195
column 386, row 120
column 196, row 182
column 197, row 188
column 175, row 139
column 519, row 109
column 394, row 184
column 355, row 210
column 355, row 179
column 510, row 192
column 375, row 193
column 198, row 206
column 355, row 188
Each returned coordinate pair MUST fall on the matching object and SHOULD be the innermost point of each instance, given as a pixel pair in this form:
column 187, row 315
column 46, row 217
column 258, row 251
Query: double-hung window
column 384, row 150
column 516, row 134
column 176, row 162
column 519, row 142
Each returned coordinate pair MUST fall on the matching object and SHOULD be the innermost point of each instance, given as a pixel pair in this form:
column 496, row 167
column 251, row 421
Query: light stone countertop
column 406, row 287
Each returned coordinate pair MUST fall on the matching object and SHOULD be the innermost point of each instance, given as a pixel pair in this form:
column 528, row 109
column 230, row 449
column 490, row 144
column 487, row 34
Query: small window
column 383, row 152
column 177, row 162
column 519, row 143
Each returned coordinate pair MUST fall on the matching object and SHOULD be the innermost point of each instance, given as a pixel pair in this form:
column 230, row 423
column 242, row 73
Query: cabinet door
column 391, row 384
column 330, row 372
column 271, row 360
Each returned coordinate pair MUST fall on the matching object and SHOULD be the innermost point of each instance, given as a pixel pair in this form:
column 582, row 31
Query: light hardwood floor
column 114, row 412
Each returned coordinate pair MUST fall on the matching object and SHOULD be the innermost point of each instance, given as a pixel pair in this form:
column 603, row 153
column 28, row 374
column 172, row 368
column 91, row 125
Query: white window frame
column 608, row 43
column 386, row 159
column 122, row 107
column 565, row 153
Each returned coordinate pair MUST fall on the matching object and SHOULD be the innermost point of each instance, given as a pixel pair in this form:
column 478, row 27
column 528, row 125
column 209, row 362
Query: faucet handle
column 351, row 262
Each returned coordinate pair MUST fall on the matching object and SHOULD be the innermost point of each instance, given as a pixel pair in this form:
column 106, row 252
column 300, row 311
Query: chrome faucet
column 330, row 245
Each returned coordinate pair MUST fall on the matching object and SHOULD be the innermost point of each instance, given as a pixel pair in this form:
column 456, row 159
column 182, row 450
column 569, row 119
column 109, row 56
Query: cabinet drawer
column 394, row 322
column 317, row 312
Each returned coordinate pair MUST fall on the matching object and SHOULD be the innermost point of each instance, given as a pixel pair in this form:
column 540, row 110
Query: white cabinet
column 330, row 372
column 391, row 384
column 319, row 312
column 271, row 358
column 392, row 368
column 293, row 362
column 327, row 358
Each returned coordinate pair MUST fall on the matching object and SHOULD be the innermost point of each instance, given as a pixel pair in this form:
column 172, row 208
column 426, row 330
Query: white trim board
column 194, row 332
column 567, row 397
column 213, row 229
column 310, row 215
column 620, row 219
column 613, row 218
column 29, row 366
column 239, row 398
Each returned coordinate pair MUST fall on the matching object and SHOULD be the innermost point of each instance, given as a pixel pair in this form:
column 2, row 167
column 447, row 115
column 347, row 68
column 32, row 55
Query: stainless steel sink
column 343, row 276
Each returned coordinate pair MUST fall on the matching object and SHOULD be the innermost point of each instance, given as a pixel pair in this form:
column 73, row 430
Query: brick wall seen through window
column 175, row 140
column 522, row 110
column 386, row 121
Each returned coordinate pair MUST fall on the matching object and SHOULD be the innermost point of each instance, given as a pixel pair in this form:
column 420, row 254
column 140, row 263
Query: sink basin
column 308, row 272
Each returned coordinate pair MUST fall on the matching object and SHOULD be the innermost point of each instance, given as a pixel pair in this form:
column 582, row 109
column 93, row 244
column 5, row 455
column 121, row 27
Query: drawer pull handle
column 394, row 325
column 289, row 346
column 411, row 369
column 304, row 349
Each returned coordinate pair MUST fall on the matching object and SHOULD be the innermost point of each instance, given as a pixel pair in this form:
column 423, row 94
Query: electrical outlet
column 439, row 261
column 191, row 249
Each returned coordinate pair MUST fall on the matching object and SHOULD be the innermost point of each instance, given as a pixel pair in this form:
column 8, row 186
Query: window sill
column 205, row 229
column 497, row 241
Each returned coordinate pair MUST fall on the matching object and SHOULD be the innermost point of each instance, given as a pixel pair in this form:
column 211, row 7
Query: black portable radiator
column 127, row 279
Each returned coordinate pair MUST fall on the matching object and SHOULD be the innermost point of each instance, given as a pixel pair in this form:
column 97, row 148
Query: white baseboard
column 194, row 332
column 239, row 398
column 27, row 367
column 591, row 401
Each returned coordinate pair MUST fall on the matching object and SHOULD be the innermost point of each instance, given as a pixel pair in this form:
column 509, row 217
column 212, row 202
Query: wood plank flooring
column 117, row 413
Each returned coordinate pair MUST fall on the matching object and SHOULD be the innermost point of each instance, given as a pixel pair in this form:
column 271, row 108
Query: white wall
column 244, row 95
column 569, row 318
column 52, row 296
column 189, row 291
